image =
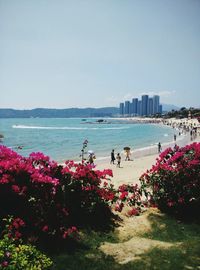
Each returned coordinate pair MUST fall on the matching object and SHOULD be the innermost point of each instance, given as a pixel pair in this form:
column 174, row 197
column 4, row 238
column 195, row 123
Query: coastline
column 162, row 130
column 142, row 159
column 130, row 171
column 181, row 126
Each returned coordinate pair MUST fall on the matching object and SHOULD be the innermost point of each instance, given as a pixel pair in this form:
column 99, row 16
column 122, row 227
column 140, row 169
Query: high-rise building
column 156, row 100
column 160, row 109
column 150, row 106
column 127, row 107
column 139, row 107
column 145, row 105
column 135, row 106
column 131, row 109
column 121, row 108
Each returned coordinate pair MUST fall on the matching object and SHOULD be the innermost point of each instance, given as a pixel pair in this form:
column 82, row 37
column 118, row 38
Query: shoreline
column 142, row 159
column 130, row 171
column 148, row 150
column 181, row 128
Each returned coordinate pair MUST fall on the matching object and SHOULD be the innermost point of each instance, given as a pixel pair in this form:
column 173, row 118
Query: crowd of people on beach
column 184, row 127
column 181, row 127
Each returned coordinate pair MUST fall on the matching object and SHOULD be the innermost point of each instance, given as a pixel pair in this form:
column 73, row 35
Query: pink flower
column 108, row 172
column 133, row 212
column 8, row 254
column 45, row 228
column 170, row 203
column 16, row 188
column 18, row 235
column 5, row 179
column 4, row 264
column 72, row 232
column 123, row 195
column 119, row 206
column 181, row 200
column 65, row 235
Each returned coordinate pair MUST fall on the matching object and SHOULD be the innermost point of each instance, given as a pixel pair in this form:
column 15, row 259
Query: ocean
column 62, row 138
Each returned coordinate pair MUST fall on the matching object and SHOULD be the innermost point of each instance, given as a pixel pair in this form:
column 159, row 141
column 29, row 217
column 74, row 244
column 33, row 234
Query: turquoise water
column 62, row 139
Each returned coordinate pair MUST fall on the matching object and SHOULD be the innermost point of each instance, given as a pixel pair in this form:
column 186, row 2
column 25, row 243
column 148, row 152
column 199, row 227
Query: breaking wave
column 67, row 128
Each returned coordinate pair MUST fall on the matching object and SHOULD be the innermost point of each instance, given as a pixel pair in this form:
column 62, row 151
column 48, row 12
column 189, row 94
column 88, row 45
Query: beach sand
column 130, row 171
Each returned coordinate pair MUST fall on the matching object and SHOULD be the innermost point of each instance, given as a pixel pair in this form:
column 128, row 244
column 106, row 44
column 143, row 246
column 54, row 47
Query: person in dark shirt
column 112, row 161
column 159, row 147
column 118, row 160
column 174, row 137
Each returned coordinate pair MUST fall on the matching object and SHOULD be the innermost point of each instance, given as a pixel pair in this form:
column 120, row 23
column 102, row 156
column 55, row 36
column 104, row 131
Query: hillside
column 59, row 113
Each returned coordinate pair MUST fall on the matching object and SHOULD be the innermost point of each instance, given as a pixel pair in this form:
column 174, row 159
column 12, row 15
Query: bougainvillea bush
column 174, row 182
column 131, row 196
column 55, row 201
column 51, row 199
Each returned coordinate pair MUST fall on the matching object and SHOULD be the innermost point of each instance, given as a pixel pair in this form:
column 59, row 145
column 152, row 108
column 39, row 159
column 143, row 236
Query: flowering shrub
column 133, row 212
column 129, row 195
column 14, row 228
column 52, row 199
column 15, row 255
column 27, row 191
column 174, row 182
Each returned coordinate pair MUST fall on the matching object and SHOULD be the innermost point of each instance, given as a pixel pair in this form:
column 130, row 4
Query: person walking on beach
column 112, row 161
column 191, row 135
column 174, row 137
column 118, row 160
column 175, row 147
column 159, row 147
column 91, row 159
column 127, row 153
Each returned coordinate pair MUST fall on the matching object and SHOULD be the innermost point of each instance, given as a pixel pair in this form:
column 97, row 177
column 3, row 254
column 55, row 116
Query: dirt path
column 131, row 245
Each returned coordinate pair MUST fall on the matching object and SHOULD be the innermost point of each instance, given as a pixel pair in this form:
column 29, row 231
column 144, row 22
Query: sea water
column 62, row 138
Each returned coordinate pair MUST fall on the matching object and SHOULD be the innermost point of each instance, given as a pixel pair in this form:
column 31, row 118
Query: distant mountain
column 169, row 107
column 59, row 113
column 71, row 112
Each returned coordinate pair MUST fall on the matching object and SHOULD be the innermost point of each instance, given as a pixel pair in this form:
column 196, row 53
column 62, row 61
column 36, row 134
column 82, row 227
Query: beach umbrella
column 127, row 148
column 90, row 152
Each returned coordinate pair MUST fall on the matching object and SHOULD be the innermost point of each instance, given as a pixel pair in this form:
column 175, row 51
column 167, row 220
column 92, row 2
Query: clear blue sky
column 61, row 54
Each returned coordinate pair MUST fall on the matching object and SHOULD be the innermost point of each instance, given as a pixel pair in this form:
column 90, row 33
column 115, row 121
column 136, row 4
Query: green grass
column 164, row 228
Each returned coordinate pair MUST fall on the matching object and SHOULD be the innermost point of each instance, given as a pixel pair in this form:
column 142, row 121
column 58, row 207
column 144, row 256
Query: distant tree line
column 183, row 113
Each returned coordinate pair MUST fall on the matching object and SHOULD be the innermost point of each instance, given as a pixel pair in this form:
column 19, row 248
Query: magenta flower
column 174, row 180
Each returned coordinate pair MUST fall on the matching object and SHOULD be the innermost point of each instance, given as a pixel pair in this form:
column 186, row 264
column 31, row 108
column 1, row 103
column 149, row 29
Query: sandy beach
column 130, row 171
column 143, row 159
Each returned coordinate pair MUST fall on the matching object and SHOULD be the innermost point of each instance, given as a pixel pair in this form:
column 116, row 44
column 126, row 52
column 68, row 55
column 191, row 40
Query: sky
column 97, row 53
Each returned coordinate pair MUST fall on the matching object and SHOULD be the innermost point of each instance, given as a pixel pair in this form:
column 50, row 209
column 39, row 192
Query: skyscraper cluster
column 147, row 106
